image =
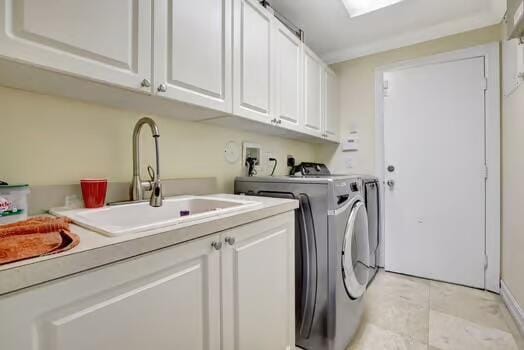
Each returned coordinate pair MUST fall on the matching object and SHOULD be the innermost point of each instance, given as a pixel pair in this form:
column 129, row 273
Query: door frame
column 491, row 54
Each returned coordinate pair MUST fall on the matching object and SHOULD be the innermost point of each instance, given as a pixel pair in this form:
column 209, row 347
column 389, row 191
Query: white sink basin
column 137, row 217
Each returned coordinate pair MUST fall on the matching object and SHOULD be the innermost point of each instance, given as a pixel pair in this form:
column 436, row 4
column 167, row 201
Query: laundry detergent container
column 13, row 203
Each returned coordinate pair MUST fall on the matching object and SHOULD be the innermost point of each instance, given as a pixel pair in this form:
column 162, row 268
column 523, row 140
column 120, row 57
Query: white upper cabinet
column 331, row 115
column 252, row 60
column 107, row 41
column 313, row 93
column 228, row 62
column 289, row 77
column 193, row 52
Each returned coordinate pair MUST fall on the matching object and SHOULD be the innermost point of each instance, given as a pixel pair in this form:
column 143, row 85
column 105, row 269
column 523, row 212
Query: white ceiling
column 336, row 37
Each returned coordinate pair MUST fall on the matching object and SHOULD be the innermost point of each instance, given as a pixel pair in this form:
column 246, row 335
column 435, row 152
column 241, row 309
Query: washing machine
column 331, row 252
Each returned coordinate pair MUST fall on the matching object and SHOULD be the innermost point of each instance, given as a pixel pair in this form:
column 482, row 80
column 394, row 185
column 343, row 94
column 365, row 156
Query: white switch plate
column 351, row 142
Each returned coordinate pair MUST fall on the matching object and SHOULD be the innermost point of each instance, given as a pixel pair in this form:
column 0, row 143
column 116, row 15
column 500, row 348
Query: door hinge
column 385, row 88
column 484, row 84
column 485, row 172
column 485, row 261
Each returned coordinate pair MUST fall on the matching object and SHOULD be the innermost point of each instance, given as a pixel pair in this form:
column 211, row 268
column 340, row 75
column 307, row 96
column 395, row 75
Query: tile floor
column 407, row 313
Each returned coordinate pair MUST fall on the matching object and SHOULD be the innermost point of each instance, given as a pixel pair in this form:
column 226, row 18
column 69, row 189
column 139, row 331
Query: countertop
column 96, row 250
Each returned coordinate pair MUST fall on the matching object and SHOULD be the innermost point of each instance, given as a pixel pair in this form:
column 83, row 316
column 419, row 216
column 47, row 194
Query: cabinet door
column 258, row 285
column 252, row 61
column 107, row 41
column 169, row 299
column 331, row 115
column 193, row 52
column 289, row 77
column 313, row 94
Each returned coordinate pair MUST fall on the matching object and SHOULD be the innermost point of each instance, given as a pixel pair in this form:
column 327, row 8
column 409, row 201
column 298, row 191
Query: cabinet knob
column 230, row 240
column 217, row 245
column 145, row 83
column 162, row 87
column 279, row 121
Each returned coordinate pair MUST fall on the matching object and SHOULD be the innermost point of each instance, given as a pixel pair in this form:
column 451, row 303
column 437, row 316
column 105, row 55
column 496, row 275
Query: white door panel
column 253, row 61
column 60, row 35
column 193, row 51
column 289, row 77
column 258, row 286
column 331, row 122
column 434, row 137
column 313, row 93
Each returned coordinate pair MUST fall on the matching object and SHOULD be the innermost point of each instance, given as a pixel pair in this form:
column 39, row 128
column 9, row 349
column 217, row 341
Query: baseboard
column 513, row 306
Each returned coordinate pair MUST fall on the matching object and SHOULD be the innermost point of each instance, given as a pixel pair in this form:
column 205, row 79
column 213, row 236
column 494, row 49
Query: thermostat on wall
column 351, row 142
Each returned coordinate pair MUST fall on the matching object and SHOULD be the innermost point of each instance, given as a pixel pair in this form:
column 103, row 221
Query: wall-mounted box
column 351, row 142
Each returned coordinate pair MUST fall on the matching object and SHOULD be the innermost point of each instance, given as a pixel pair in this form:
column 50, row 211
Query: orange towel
column 35, row 237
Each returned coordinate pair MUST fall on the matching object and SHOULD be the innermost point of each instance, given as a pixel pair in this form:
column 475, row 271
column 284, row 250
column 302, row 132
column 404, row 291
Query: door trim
column 491, row 54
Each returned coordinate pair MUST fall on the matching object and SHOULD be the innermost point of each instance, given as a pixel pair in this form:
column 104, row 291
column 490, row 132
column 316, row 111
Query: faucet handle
column 151, row 173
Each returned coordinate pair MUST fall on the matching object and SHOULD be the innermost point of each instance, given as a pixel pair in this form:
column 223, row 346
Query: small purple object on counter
column 184, row 212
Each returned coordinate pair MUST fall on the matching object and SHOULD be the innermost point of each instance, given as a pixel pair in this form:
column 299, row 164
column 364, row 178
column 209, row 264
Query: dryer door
column 355, row 251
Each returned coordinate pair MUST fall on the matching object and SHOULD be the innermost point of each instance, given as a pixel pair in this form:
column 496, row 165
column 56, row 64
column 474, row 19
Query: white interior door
column 434, row 137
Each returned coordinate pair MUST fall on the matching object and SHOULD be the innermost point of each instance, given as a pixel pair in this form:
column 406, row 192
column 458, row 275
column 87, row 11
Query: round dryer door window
column 355, row 253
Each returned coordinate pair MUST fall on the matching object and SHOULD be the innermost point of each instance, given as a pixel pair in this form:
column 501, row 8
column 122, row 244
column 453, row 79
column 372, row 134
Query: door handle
column 390, row 184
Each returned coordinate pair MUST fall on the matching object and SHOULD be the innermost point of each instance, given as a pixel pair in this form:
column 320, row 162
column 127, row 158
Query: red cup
column 94, row 192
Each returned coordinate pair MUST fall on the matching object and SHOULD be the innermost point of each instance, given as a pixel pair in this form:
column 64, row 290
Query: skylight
column 359, row 7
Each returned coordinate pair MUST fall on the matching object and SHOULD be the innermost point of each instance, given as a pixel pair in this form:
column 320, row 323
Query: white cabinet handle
column 162, row 87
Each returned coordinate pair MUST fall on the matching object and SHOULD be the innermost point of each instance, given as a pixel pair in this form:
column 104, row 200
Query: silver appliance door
column 371, row 197
column 355, row 251
column 306, row 264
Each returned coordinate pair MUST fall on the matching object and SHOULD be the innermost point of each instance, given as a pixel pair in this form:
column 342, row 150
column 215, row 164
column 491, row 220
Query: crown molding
column 480, row 20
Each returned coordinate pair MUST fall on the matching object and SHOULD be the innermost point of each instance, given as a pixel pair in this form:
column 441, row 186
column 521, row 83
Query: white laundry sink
column 123, row 219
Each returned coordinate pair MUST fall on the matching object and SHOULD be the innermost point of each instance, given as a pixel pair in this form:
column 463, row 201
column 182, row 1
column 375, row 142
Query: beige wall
column 50, row 140
column 513, row 194
column 357, row 94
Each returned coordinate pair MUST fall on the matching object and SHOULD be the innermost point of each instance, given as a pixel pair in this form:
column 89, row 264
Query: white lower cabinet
column 168, row 299
column 258, row 286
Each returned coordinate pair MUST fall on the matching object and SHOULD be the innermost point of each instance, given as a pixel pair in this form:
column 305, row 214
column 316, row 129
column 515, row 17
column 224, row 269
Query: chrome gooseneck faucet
column 138, row 186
